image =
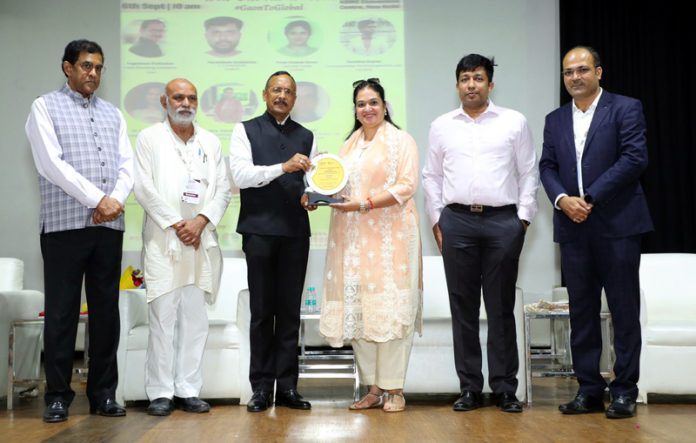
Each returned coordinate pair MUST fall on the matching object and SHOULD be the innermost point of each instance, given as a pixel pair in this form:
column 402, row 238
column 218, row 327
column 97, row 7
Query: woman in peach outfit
column 373, row 285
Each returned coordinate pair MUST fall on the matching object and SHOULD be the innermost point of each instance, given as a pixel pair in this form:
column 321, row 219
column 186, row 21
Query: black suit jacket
column 613, row 160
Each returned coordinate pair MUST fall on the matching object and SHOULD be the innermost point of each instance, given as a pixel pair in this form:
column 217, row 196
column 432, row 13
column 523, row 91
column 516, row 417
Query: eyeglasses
column 88, row 66
column 581, row 70
column 373, row 80
column 278, row 90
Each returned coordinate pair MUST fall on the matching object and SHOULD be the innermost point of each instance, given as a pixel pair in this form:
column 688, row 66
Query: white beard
column 181, row 116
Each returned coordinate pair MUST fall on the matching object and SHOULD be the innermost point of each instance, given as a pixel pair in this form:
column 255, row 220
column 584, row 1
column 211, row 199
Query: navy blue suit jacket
column 614, row 157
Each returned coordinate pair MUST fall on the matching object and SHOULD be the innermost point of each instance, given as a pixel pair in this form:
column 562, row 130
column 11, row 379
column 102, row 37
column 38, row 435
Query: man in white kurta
column 182, row 184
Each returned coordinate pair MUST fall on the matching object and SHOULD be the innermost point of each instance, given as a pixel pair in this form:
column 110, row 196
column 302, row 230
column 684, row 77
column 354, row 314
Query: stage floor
column 426, row 419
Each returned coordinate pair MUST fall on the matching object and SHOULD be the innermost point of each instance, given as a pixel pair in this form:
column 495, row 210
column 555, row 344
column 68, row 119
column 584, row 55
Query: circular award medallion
column 327, row 175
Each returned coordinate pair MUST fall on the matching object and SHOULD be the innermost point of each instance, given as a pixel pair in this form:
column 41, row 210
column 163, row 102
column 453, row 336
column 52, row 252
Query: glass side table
column 550, row 369
column 12, row 380
column 326, row 363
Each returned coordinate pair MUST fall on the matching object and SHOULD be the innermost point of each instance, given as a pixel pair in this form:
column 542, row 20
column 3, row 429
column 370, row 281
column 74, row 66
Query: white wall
column 33, row 35
column 521, row 34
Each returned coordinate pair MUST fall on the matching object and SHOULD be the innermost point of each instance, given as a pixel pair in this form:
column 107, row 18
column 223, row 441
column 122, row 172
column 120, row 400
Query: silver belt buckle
column 476, row 208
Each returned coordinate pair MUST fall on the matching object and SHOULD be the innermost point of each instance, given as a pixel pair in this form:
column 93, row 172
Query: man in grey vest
column 85, row 164
column 268, row 157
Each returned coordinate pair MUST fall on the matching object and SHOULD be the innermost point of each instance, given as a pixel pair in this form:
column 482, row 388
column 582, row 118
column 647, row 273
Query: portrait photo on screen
column 223, row 33
column 145, row 38
column 229, row 102
column 368, row 36
column 311, row 104
column 143, row 102
column 295, row 37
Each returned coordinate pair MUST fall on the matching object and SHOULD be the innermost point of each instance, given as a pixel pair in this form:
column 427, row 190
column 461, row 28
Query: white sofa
column 226, row 360
column 668, row 355
column 226, row 357
column 18, row 303
column 431, row 368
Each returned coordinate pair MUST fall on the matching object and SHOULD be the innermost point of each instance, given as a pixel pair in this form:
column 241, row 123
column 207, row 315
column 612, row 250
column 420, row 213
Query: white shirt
column 581, row 126
column 489, row 161
column 162, row 171
column 245, row 174
column 48, row 157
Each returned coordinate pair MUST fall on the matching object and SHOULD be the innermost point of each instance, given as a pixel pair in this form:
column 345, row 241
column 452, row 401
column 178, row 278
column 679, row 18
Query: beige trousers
column 383, row 364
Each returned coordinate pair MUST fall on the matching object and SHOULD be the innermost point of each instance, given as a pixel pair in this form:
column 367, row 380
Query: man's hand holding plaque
column 326, row 177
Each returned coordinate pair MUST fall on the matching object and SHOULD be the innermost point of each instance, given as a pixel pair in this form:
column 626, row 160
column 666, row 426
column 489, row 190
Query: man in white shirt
column 181, row 182
column 480, row 181
column 85, row 164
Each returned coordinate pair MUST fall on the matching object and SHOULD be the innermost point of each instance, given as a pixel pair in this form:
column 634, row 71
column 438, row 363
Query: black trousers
column 482, row 250
column 276, row 268
column 589, row 264
column 92, row 254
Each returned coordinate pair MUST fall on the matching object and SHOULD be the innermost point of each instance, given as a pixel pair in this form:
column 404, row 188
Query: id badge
column 192, row 192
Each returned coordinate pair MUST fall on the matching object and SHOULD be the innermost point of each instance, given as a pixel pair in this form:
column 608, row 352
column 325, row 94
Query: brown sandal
column 377, row 404
column 394, row 403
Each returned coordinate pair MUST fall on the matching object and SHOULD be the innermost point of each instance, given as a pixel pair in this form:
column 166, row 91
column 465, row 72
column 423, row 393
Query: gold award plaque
column 327, row 175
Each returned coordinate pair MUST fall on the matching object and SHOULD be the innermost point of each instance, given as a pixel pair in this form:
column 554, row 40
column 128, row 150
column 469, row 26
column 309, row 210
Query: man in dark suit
column 594, row 153
column 268, row 158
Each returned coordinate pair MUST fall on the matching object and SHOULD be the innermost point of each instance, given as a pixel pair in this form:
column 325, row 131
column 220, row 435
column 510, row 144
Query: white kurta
column 164, row 164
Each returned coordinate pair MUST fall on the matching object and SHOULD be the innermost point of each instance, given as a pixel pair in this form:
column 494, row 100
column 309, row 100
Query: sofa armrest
column 243, row 321
column 20, row 304
column 132, row 306
column 243, row 311
column 25, row 304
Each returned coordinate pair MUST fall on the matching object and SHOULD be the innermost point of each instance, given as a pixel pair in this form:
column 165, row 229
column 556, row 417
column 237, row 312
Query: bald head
column 178, row 83
column 180, row 99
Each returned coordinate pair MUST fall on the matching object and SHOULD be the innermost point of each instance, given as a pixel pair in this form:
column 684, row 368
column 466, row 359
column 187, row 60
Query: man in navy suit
column 594, row 153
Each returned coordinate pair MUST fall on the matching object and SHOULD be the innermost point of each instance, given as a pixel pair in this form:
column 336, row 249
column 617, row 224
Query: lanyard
column 187, row 152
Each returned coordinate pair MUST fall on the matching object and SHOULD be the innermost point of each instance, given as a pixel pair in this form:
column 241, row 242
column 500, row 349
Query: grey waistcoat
column 88, row 132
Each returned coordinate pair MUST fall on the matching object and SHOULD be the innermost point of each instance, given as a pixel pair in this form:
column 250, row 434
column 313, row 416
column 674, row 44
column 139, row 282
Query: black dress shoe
column 583, row 404
column 468, row 401
column 260, row 401
column 55, row 412
column 508, row 402
column 160, row 407
column 622, row 406
column 191, row 404
column 108, row 408
column 291, row 399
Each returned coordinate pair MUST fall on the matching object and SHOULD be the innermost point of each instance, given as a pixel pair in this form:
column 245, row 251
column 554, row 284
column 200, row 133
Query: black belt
column 479, row 209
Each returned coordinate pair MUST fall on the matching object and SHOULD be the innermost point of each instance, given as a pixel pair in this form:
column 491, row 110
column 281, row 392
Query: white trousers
column 178, row 331
column 383, row 364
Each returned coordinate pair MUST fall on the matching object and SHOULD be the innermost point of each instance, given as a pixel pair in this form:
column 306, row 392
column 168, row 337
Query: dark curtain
column 648, row 51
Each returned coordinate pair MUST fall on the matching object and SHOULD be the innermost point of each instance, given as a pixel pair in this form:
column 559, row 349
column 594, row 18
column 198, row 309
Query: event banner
column 228, row 48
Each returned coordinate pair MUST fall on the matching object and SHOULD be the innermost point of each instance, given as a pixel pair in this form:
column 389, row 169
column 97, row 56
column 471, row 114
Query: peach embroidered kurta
column 373, row 278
